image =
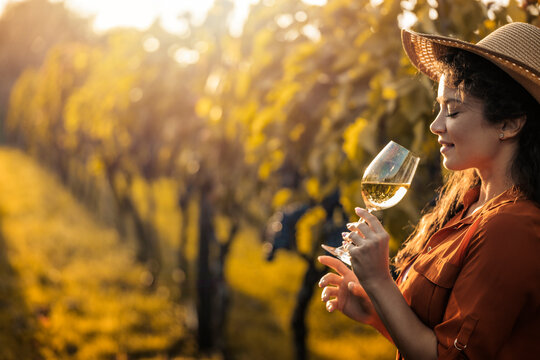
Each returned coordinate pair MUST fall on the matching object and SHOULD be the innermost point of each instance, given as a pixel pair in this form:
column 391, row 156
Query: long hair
column 503, row 98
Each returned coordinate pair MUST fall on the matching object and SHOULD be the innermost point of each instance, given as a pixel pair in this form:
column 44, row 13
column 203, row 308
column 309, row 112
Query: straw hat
column 515, row 48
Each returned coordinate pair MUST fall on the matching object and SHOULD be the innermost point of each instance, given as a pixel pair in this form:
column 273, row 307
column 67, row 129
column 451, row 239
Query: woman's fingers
column 370, row 219
column 355, row 238
column 329, row 292
column 333, row 263
column 359, row 227
column 331, row 305
column 355, row 288
column 330, row 279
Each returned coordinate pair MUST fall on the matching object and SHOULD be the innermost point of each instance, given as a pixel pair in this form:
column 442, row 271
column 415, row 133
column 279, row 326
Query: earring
column 501, row 136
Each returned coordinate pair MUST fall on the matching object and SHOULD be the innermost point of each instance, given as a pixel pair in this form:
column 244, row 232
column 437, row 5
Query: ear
column 512, row 127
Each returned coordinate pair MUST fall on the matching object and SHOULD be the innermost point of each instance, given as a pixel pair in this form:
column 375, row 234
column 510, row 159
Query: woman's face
column 467, row 139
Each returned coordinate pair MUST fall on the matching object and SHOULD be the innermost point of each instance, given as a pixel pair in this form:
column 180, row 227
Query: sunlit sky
column 142, row 13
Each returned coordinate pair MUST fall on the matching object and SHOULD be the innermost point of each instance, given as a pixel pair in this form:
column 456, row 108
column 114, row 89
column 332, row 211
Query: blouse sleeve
column 496, row 284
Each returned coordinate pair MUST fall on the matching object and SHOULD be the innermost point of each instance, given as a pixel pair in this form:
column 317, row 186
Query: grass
column 71, row 289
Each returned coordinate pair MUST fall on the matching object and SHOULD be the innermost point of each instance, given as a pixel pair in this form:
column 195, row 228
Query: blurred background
column 169, row 169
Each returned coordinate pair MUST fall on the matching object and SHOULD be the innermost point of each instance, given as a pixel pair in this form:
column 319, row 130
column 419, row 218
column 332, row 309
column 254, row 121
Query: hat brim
column 424, row 50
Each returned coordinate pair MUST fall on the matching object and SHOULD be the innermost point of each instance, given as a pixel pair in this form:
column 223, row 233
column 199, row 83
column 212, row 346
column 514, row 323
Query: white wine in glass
column 385, row 182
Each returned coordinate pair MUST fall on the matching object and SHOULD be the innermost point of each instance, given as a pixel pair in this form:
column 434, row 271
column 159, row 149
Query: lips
column 445, row 146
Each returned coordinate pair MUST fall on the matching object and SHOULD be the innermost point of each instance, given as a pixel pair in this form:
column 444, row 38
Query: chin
column 453, row 166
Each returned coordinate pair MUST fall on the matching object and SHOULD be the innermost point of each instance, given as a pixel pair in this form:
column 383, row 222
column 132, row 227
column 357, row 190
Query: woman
column 468, row 284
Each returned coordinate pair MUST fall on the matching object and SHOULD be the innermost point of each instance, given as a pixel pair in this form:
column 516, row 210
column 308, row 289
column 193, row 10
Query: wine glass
column 385, row 182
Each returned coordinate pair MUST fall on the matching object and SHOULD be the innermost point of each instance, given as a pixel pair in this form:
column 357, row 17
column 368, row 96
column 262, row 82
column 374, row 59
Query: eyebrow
column 442, row 100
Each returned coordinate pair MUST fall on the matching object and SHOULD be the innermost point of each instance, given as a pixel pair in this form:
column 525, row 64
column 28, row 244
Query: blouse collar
column 472, row 195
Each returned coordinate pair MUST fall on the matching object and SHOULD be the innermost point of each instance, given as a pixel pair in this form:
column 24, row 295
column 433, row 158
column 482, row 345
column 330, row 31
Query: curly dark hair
column 503, row 98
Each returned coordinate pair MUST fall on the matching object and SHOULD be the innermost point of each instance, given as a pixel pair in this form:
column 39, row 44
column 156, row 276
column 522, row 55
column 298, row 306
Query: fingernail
column 329, row 306
column 344, row 234
column 350, row 225
column 357, row 209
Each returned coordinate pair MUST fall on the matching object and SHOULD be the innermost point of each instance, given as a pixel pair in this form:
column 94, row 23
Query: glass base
column 340, row 252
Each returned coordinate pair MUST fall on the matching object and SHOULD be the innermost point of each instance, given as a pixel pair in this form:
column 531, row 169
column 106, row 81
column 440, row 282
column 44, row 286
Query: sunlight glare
column 407, row 19
column 311, row 32
column 151, row 44
column 141, row 13
column 315, row 2
column 185, row 56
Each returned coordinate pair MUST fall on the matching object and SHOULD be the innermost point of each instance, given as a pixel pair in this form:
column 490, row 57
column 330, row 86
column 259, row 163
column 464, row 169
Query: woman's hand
column 383, row 305
column 343, row 292
column 369, row 249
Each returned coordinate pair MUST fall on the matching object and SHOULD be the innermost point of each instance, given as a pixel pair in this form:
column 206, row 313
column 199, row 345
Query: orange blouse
column 484, row 303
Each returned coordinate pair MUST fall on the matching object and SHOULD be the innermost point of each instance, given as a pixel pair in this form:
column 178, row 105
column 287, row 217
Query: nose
column 438, row 126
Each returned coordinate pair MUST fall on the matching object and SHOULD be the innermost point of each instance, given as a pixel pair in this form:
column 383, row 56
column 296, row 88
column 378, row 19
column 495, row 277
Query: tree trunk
column 298, row 320
column 147, row 246
column 183, row 264
column 223, row 294
column 212, row 289
column 206, row 278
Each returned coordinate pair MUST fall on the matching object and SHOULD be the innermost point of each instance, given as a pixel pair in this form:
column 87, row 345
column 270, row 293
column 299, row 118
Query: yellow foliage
column 308, row 229
column 296, row 132
column 263, row 294
column 281, row 198
column 215, row 113
column 282, row 95
column 351, row 136
column 273, row 163
column 203, row 106
column 313, row 188
column 243, row 82
column 490, row 25
column 222, row 227
column 253, row 142
column 140, row 193
column 245, row 113
column 265, row 169
column 515, row 13
column 167, row 216
column 389, row 93
column 21, row 101
column 262, row 119
column 120, row 183
column 81, row 59
column 103, row 128
column 362, row 37
column 262, row 56
column 364, row 58
column 351, row 197
column 95, row 166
